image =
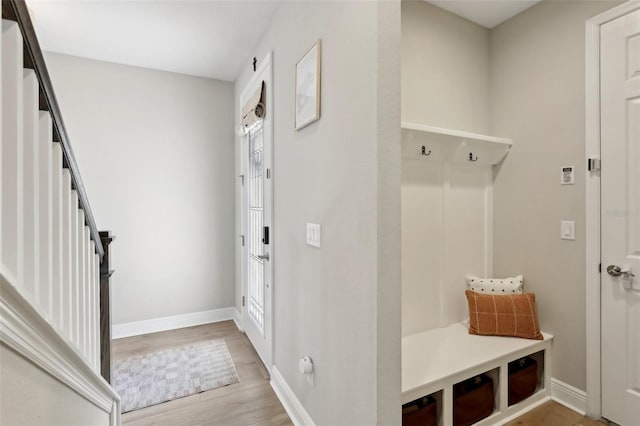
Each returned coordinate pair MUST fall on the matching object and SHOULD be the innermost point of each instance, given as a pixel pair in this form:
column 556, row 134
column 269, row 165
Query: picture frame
column 307, row 87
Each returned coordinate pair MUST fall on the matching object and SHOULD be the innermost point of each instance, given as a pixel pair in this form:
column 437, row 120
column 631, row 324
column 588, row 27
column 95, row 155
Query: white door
column 620, row 216
column 257, row 220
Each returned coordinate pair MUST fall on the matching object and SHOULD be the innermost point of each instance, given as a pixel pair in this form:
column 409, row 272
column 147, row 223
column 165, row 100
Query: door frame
column 265, row 66
column 593, row 203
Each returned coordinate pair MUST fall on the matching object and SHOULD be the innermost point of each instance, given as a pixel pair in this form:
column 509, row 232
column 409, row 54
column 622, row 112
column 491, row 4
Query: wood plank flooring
column 250, row 402
column 553, row 414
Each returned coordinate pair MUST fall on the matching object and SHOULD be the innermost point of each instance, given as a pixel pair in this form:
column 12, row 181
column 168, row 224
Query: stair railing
column 51, row 253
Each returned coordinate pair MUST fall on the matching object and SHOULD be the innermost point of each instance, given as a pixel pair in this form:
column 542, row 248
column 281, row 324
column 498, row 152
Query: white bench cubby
column 434, row 361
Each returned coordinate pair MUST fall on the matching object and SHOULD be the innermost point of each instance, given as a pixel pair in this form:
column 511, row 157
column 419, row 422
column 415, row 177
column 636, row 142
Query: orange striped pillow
column 503, row 315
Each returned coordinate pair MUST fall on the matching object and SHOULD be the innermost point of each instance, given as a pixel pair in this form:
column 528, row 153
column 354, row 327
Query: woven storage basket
column 421, row 412
column 523, row 379
column 472, row 400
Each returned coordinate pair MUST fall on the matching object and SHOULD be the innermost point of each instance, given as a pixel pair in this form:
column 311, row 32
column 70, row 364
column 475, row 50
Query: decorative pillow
column 503, row 315
column 511, row 285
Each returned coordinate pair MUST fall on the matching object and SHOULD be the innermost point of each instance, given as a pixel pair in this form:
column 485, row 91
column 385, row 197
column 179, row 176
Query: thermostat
column 568, row 175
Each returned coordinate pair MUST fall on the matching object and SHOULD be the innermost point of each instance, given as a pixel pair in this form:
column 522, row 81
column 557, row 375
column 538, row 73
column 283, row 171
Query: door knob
column 616, row 271
column 263, row 256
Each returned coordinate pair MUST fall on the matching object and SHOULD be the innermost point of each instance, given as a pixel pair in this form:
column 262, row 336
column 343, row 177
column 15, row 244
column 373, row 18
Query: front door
column 257, row 218
column 620, row 216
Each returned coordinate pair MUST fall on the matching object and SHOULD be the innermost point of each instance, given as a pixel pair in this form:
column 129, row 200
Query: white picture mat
column 307, row 95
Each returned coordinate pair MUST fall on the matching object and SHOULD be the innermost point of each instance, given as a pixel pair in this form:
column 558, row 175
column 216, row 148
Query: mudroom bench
column 437, row 360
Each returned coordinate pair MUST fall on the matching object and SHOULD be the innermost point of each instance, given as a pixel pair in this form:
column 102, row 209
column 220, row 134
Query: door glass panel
column 256, row 216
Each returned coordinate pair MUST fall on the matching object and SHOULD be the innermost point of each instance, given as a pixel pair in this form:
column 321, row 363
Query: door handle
column 263, row 256
column 616, row 271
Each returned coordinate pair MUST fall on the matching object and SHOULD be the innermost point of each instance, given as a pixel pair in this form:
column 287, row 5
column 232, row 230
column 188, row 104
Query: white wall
column 445, row 208
column 422, row 245
column 445, row 69
column 538, row 98
column 155, row 151
column 338, row 304
column 32, row 397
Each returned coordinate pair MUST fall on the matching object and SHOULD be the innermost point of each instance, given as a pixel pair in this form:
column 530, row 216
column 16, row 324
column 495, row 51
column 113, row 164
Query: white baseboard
column 290, row 402
column 237, row 318
column 137, row 328
column 569, row 396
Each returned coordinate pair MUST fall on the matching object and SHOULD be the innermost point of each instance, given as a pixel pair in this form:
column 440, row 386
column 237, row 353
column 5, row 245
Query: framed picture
column 307, row 101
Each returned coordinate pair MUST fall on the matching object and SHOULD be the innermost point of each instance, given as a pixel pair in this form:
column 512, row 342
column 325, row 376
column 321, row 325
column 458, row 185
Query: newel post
column 105, row 307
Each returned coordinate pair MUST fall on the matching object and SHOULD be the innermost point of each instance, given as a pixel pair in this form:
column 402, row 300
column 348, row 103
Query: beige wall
column 445, row 69
column 538, row 99
column 155, row 150
column 29, row 396
column 338, row 304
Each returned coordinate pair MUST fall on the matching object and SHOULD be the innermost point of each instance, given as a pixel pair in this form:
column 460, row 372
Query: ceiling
column 207, row 38
column 488, row 13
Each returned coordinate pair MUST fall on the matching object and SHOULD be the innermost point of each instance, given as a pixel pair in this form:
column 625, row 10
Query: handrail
column 16, row 10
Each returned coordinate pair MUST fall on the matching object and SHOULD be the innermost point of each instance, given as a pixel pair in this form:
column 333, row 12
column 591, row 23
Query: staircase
column 54, row 264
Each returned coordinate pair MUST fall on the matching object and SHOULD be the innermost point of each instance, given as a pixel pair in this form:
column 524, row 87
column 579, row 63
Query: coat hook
column 471, row 157
column 424, row 151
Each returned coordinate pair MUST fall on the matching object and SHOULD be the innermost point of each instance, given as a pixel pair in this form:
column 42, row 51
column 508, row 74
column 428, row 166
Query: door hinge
column 593, row 164
column 268, row 173
column 265, row 235
column 242, row 300
column 241, row 179
column 242, row 240
column 600, row 267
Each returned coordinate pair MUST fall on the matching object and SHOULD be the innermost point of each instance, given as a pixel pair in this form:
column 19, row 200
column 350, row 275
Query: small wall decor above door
column 254, row 109
column 307, row 87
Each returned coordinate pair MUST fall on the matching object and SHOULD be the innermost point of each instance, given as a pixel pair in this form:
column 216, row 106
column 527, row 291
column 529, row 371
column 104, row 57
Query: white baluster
column 75, row 267
column 88, row 303
column 57, row 236
column 87, row 290
column 96, row 314
column 12, row 128
column 67, row 251
column 31, row 197
column 81, row 284
column 45, row 220
column 91, row 303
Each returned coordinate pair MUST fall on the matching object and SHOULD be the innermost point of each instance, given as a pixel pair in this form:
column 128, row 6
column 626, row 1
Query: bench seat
column 436, row 359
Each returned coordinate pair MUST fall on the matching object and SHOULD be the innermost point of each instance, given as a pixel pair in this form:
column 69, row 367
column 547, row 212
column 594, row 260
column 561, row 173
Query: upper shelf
column 452, row 145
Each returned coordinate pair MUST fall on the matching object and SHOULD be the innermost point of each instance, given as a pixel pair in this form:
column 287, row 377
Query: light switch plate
column 568, row 229
column 314, row 236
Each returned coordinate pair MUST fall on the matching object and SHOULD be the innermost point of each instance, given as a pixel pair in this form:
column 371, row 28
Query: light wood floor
column 250, row 402
column 553, row 414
